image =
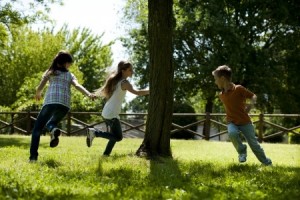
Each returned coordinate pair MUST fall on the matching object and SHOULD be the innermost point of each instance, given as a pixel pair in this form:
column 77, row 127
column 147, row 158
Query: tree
column 258, row 39
column 17, row 13
column 158, row 125
column 91, row 55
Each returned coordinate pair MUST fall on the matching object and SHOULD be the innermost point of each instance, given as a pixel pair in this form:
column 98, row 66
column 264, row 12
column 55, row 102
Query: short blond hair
column 223, row 70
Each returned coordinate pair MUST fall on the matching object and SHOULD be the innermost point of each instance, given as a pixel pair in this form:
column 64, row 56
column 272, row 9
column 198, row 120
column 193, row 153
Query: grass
column 199, row 170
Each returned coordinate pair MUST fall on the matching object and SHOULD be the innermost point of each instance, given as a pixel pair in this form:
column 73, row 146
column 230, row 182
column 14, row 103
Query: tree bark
column 160, row 110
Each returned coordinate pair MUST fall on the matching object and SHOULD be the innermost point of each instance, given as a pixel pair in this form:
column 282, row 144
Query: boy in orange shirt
column 234, row 99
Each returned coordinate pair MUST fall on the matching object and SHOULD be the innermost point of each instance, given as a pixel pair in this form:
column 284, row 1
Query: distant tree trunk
column 158, row 125
column 208, row 109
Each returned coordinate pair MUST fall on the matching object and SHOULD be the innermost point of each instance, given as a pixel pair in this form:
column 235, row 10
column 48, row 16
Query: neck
column 228, row 86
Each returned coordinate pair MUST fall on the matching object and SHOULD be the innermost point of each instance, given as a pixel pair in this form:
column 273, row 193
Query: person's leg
column 59, row 112
column 116, row 132
column 42, row 118
column 249, row 133
column 234, row 135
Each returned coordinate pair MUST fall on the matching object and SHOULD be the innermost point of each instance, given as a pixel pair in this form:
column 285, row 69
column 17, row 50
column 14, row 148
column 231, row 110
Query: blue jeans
column 49, row 116
column 249, row 134
column 113, row 136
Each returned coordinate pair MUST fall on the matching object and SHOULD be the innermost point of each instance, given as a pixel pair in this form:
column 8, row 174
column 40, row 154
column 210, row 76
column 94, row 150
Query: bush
column 184, row 120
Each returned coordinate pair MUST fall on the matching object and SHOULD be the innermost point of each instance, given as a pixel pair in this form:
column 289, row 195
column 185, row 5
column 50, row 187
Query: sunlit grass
column 198, row 170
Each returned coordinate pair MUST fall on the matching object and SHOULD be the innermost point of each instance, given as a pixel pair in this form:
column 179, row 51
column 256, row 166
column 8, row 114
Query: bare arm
column 251, row 104
column 127, row 86
column 80, row 88
column 40, row 87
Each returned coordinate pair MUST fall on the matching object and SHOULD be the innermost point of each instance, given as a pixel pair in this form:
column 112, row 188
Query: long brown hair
column 112, row 80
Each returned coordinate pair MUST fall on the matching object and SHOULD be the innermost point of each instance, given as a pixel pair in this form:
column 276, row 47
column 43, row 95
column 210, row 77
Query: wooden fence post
column 206, row 126
column 28, row 125
column 69, row 124
column 12, row 128
column 261, row 128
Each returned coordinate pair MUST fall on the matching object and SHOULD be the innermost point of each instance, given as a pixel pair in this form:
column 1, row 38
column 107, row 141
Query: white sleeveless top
column 112, row 107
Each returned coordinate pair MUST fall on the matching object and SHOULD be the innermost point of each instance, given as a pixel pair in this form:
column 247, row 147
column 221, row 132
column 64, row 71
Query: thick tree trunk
column 158, row 125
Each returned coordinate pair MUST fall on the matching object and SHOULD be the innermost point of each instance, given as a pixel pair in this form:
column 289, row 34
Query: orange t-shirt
column 234, row 101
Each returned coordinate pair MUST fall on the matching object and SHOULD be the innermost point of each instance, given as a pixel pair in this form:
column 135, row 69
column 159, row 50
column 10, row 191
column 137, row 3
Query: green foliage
column 28, row 54
column 137, row 105
column 257, row 39
column 294, row 139
column 184, row 107
column 5, row 118
column 199, row 170
column 19, row 12
column 91, row 56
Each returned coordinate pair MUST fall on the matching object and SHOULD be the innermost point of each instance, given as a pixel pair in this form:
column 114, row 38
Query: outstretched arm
column 40, row 87
column 80, row 88
column 127, row 86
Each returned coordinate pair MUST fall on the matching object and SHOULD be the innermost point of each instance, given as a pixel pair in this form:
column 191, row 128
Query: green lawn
column 199, row 170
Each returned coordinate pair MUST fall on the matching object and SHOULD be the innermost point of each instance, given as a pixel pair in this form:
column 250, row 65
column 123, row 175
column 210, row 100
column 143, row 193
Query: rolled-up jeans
column 113, row 136
column 249, row 133
column 49, row 116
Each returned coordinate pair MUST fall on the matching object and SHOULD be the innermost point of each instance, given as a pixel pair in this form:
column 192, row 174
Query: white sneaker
column 90, row 135
column 55, row 133
column 242, row 158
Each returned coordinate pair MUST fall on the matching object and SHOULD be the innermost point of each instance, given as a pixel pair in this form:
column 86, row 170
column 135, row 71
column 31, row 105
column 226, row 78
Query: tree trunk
column 160, row 110
column 208, row 109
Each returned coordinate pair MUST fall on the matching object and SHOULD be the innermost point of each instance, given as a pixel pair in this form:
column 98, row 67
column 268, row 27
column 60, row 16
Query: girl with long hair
column 114, row 91
column 57, row 100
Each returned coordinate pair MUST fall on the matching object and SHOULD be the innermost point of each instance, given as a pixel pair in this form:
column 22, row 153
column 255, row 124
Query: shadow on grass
column 52, row 163
column 173, row 179
column 18, row 142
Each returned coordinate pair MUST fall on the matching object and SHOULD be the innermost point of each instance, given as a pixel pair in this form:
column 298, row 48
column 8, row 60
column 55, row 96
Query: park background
column 259, row 40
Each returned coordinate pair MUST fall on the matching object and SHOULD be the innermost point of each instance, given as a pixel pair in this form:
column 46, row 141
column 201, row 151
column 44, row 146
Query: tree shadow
column 51, row 163
column 19, row 142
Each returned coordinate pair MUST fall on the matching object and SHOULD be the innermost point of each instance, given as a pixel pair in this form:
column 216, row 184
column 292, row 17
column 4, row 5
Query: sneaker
column 55, row 133
column 32, row 159
column 242, row 157
column 268, row 163
column 90, row 135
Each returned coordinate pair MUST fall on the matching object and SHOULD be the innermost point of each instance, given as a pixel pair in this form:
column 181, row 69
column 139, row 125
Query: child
column 234, row 99
column 114, row 92
column 57, row 100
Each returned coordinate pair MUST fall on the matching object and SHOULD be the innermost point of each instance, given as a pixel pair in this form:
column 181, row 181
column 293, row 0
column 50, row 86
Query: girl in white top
column 114, row 92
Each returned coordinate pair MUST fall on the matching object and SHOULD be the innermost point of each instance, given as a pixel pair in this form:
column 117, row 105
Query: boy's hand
column 248, row 107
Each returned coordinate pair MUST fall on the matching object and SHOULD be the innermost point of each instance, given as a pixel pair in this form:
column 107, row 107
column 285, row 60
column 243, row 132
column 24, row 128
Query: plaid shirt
column 59, row 91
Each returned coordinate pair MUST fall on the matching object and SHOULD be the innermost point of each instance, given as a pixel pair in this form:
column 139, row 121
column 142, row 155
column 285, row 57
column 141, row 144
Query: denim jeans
column 49, row 116
column 113, row 136
column 249, row 134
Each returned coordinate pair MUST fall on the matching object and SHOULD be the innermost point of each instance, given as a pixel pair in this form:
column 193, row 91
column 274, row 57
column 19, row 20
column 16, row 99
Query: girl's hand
column 38, row 96
column 92, row 96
